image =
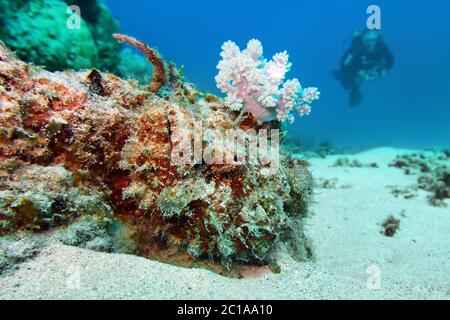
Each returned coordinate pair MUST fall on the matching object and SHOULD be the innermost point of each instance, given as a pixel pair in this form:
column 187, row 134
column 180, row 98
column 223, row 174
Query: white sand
column 345, row 227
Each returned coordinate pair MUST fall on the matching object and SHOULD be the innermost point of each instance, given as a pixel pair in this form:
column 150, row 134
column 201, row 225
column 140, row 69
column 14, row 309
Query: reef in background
column 37, row 30
column 77, row 144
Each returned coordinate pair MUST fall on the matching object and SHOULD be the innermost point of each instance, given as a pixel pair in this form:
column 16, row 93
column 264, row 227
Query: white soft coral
column 255, row 85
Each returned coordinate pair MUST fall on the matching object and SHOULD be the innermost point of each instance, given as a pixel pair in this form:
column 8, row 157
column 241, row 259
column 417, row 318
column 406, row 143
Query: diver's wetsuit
column 358, row 65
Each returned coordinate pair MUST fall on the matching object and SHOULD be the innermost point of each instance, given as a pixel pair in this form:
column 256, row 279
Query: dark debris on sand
column 433, row 173
column 391, row 226
column 345, row 162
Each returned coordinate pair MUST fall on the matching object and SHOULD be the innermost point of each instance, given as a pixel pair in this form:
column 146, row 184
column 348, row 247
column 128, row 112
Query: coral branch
column 159, row 72
column 254, row 85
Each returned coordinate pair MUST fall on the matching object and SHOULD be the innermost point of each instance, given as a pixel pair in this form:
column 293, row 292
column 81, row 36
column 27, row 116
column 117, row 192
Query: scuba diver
column 368, row 58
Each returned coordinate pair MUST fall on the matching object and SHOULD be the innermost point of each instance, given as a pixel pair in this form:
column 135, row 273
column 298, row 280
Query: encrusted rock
column 68, row 151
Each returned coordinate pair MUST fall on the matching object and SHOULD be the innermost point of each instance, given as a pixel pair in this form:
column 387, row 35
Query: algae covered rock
column 41, row 197
column 89, row 233
column 14, row 251
column 88, row 144
column 38, row 31
column 102, row 25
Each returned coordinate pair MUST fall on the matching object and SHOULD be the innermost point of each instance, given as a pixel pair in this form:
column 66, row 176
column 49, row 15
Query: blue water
column 408, row 108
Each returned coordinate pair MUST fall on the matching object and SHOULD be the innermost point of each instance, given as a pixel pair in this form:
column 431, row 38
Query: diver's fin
column 355, row 97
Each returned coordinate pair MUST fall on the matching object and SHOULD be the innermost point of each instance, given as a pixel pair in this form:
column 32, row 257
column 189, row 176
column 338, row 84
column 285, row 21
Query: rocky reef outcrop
column 89, row 144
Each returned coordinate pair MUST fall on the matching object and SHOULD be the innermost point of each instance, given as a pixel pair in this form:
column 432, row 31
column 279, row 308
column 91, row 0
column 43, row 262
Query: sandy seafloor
column 345, row 227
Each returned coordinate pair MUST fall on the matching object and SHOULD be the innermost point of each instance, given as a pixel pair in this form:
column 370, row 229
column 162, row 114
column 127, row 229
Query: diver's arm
column 388, row 56
column 347, row 59
column 384, row 60
column 353, row 52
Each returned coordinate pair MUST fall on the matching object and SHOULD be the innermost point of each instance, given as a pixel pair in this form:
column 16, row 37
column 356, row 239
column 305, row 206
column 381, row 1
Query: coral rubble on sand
column 332, row 183
column 390, row 226
column 433, row 171
column 345, row 162
column 88, row 144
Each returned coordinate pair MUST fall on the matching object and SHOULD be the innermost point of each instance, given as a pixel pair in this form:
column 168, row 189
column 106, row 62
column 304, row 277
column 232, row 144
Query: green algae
column 44, row 197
